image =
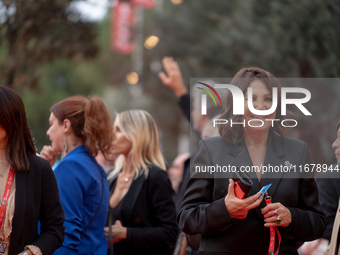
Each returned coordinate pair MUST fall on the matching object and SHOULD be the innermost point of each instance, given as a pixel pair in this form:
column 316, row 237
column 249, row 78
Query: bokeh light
column 176, row 1
column 151, row 42
column 132, row 78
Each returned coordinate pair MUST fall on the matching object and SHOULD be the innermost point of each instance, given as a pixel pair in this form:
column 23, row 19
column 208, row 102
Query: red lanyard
column 6, row 195
column 272, row 234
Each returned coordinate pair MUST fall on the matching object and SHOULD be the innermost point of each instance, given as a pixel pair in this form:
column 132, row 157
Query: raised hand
column 172, row 78
column 49, row 154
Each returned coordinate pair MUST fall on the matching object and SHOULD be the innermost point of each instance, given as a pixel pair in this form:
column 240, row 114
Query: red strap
column 272, row 234
column 6, row 195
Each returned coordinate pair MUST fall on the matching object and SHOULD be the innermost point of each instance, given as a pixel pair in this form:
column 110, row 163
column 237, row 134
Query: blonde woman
column 142, row 211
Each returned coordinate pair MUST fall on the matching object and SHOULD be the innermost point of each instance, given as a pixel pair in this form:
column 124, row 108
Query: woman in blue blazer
column 230, row 225
column 79, row 128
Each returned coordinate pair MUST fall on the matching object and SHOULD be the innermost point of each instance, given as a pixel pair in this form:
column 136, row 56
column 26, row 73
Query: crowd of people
column 112, row 194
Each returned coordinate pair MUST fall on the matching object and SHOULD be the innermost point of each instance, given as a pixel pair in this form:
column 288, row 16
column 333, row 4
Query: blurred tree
column 36, row 32
column 64, row 78
column 217, row 38
column 58, row 81
column 207, row 38
column 288, row 38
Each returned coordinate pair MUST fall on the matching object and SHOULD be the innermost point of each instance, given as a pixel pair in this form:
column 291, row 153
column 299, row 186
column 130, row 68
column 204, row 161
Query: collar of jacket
column 274, row 142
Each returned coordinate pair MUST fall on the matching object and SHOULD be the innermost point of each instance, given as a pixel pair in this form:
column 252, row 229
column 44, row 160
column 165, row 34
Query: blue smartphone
column 264, row 189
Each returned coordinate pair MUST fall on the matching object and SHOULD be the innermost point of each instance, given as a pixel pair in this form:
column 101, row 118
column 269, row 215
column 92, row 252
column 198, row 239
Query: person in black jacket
column 230, row 225
column 172, row 78
column 328, row 183
column 33, row 194
column 142, row 210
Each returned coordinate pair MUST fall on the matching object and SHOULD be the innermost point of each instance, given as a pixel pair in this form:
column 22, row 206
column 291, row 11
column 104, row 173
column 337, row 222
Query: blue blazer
column 82, row 185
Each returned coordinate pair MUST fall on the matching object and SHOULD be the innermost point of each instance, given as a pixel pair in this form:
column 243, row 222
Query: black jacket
column 203, row 209
column 37, row 198
column 148, row 212
column 329, row 192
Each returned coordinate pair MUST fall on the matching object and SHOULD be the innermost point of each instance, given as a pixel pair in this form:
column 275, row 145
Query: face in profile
column 55, row 133
column 262, row 100
column 3, row 138
column 121, row 144
column 336, row 147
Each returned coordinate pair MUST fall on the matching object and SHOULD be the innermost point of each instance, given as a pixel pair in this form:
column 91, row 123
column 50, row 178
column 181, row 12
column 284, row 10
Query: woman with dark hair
column 228, row 224
column 80, row 128
column 28, row 188
column 142, row 211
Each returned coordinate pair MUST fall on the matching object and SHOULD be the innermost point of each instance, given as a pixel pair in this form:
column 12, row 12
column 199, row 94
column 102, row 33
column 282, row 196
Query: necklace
column 126, row 177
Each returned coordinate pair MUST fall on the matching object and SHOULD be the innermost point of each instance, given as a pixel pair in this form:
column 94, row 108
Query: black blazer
column 148, row 212
column 203, row 210
column 37, row 198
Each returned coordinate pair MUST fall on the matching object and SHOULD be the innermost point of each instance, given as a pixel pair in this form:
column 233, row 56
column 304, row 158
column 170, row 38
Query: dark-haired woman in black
column 28, row 188
column 230, row 225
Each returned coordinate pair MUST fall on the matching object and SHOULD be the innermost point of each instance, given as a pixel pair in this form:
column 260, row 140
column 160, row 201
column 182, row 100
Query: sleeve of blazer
column 199, row 214
column 165, row 233
column 51, row 214
column 72, row 184
column 329, row 196
column 184, row 103
column 308, row 221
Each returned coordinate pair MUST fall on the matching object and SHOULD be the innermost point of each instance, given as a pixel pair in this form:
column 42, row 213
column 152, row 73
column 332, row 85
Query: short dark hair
column 13, row 120
column 243, row 79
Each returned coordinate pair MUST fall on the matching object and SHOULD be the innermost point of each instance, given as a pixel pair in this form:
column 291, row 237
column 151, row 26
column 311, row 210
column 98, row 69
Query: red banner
column 122, row 24
column 148, row 4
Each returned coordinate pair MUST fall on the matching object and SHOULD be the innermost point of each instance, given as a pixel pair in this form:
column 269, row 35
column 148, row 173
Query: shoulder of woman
column 295, row 143
column 75, row 166
column 214, row 140
column 37, row 162
column 214, row 143
column 156, row 173
column 38, row 167
column 158, row 179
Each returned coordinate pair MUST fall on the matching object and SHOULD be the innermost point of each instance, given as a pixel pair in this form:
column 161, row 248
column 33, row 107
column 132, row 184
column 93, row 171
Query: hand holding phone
column 243, row 184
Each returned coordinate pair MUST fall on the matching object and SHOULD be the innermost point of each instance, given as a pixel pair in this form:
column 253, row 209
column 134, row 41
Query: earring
column 65, row 146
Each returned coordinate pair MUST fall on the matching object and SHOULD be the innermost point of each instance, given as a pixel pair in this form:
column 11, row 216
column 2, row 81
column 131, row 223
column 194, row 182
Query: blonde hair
column 140, row 129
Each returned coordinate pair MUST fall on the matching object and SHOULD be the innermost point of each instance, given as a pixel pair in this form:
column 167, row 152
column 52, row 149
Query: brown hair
column 90, row 121
column 13, row 120
column 243, row 79
column 337, row 126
